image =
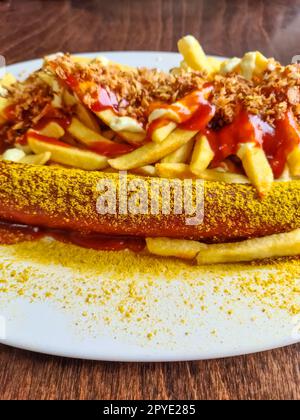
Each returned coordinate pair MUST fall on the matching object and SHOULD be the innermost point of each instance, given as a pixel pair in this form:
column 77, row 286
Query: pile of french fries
column 172, row 152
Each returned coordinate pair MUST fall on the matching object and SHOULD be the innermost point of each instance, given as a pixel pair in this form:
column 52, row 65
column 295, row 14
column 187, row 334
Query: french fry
column 7, row 80
column 56, row 101
column 183, row 171
column 148, row 170
column 227, row 177
column 174, row 170
column 281, row 245
column 46, row 77
column 294, row 162
column 247, row 65
column 163, row 120
column 153, row 152
column 84, row 134
column 215, row 64
column 68, row 155
column 57, row 89
column 131, row 137
column 40, row 159
column 193, row 54
column 166, row 113
column 52, row 129
column 87, row 118
column 253, row 64
column 181, row 155
column 69, row 99
column 202, row 155
column 103, row 61
column 179, row 248
column 80, row 59
column 95, row 141
column 261, row 63
column 128, row 128
column 4, row 103
column 230, row 65
column 83, row 114
column 257, row 167
column 161, row 133
column 51, row 81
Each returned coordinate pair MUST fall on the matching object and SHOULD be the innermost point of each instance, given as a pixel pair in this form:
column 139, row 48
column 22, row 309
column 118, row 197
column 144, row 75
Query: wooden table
column 33, row 28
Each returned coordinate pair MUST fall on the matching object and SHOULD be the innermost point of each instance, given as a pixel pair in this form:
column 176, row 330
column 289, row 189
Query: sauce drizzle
column 16, row 233
column 193, row 112
column 278, row 142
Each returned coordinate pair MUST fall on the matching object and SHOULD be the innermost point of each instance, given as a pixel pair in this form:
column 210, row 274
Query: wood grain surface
column 33, row 28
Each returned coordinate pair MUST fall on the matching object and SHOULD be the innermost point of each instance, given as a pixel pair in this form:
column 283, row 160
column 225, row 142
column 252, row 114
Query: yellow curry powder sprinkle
column 127, row 286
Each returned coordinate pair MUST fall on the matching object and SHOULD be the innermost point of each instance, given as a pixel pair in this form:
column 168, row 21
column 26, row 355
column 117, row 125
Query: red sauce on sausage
column 15, row 233
column 11, row 233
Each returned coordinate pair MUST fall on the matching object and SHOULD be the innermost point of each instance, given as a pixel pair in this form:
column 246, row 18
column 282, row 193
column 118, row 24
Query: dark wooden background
column 32, row 28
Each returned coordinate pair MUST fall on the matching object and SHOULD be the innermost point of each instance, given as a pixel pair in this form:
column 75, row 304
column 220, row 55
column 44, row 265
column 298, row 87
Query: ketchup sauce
column 14, row 233
column 193, row 112
column 64, row 122
column 277, row 142
column 156, row 124
column 46, row 139
column 111, row 149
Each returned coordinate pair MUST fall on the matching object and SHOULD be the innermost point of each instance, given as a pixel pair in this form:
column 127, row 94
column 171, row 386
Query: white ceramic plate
column 175, row 312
